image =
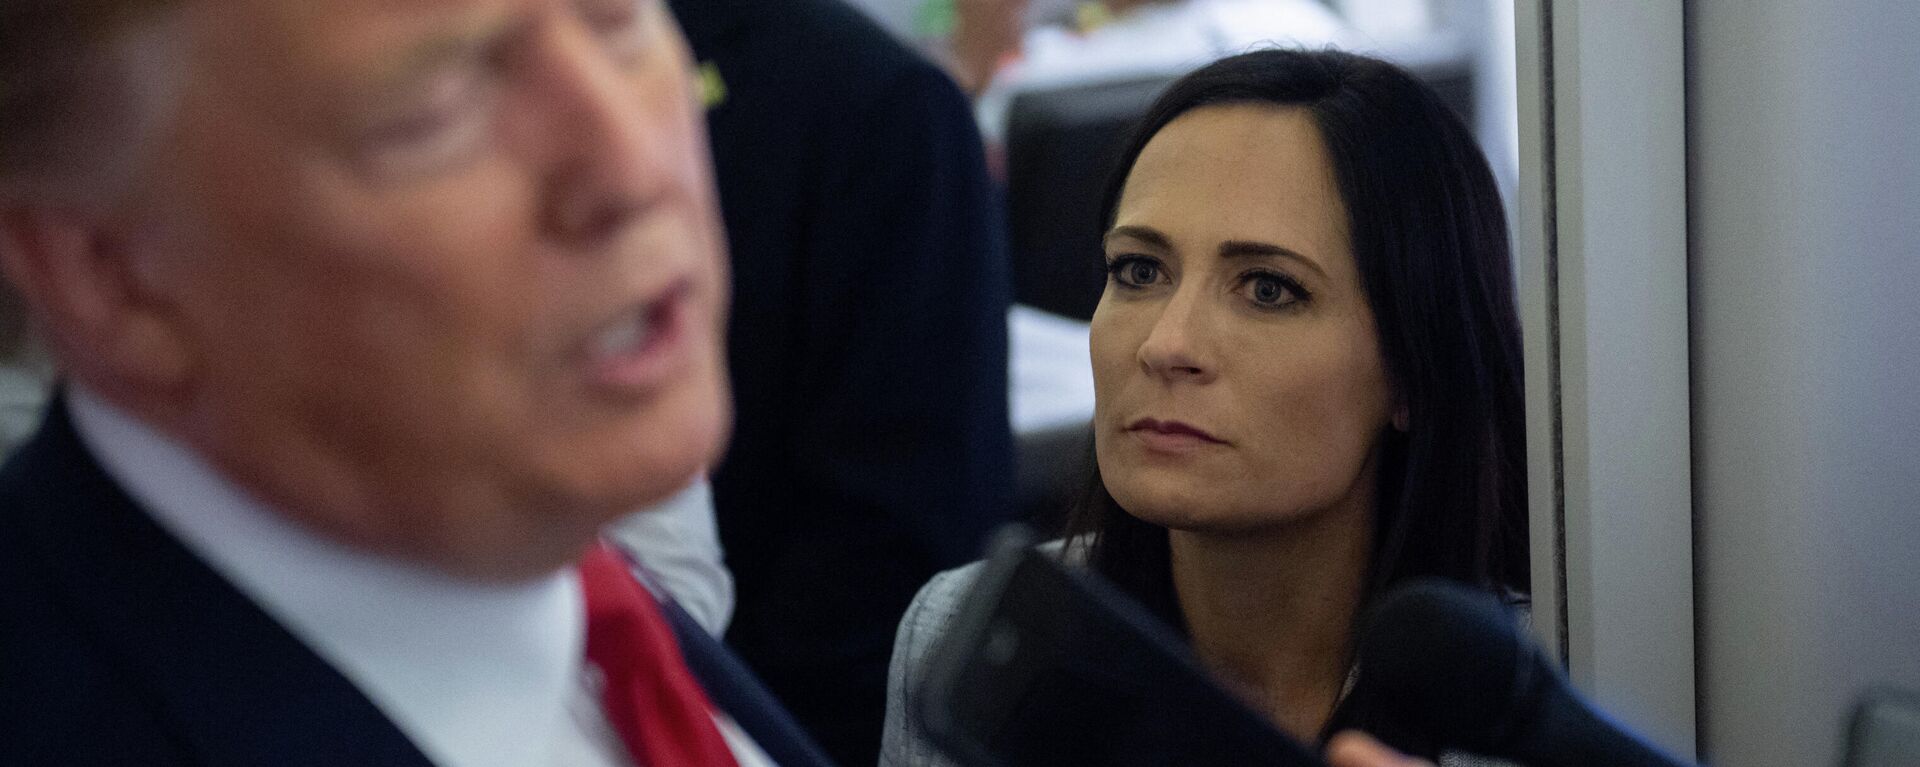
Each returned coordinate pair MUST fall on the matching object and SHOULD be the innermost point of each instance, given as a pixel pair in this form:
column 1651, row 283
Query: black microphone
column 1444, row 667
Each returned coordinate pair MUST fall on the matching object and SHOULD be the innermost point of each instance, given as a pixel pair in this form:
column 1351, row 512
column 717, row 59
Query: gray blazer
column 902, row 744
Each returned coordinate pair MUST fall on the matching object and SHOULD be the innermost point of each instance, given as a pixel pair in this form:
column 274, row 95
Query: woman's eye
column 1267, row 290
column 1273, row 290
column 1135, row 272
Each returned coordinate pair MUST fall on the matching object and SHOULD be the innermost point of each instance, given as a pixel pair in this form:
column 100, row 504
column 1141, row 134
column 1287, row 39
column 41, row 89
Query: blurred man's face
column 450, row 271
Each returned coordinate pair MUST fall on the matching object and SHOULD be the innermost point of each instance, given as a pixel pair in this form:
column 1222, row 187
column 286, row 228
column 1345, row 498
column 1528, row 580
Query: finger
column 1357, row 749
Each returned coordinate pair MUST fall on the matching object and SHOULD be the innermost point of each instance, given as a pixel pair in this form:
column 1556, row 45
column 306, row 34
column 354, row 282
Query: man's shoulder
column 64, row 688
column 63, row 691
column 111, row 626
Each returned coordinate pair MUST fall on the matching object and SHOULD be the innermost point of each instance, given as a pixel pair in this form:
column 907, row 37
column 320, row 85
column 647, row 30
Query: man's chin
column 572, row 493
column 652, row 494
column 616, row 488
column 522, row 560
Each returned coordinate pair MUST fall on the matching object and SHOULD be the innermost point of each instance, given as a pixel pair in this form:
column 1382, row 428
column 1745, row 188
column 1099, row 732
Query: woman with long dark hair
column 1307, row 377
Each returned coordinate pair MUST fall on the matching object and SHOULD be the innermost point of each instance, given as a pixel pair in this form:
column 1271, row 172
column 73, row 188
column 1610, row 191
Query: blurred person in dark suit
column 868, row 345
column 369, row 316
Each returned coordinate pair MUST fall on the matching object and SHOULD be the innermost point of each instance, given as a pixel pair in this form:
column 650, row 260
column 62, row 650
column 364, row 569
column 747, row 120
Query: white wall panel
column 1805, row 210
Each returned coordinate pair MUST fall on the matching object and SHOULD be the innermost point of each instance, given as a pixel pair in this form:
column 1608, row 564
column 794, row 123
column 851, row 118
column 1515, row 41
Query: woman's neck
column 1273, row 614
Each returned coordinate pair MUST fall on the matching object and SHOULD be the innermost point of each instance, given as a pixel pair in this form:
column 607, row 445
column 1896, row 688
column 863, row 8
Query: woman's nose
column 1176, row 348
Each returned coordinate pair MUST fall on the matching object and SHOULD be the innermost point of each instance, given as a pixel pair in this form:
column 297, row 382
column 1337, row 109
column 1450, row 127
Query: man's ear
column 79, row 279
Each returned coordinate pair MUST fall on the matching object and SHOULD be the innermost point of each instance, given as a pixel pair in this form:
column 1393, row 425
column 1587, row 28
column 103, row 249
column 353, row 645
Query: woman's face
column 1237, row 373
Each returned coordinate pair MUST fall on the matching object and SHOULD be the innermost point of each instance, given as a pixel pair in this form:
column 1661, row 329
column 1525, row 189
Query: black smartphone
column 1044, row 664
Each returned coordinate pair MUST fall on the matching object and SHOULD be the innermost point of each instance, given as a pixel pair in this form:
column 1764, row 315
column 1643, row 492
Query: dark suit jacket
column 868, row 345
column 118, row 646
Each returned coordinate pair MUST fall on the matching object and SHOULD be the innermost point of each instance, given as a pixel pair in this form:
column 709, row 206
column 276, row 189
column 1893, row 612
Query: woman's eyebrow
column 1252, row 249
column 1149, row 235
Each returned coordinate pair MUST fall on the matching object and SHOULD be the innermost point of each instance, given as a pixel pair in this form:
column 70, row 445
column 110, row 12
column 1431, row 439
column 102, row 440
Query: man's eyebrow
column 470, row 38
column 1253, row 249
column 1146, row 234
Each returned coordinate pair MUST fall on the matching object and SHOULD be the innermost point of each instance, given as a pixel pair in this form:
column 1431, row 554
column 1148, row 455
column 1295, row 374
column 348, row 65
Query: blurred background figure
column 995, row 47
column 868, row 344
column 1120, row 40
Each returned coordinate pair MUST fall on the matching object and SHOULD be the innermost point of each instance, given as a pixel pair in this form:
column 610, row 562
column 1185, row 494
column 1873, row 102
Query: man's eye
column 412, row 130
column 434, row 104
column 446, row 118
column 426, row 143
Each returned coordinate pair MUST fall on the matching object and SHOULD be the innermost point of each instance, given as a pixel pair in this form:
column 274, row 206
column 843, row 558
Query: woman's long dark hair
column 1429, row 236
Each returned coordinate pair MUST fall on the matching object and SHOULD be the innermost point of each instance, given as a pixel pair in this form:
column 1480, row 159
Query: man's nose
column 1176, row 348
column 618, row 136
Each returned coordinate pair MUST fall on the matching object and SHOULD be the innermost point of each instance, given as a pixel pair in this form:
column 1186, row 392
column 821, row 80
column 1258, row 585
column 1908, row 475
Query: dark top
column 868, row 345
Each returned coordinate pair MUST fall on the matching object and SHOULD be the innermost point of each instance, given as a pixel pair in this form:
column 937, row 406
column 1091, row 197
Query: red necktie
column 650, row 696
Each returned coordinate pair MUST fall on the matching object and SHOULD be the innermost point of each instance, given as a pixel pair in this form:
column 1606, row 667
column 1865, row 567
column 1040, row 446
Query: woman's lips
column 647, row 345
column 1171, row 436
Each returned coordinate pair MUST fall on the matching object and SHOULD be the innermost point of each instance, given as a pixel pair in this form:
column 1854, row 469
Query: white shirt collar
column 475, row 674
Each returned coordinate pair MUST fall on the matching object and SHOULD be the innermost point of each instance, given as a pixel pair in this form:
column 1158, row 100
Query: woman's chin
column 1211, row 517
column 1177, row 512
